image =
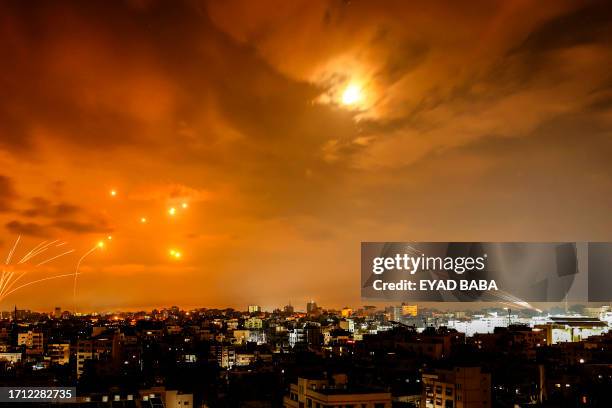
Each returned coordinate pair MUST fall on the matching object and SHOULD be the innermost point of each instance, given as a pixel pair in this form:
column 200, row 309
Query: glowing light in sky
column 352, row 95
column 109, row 237
column 100, row 244
column 113, row 193
column 143, row 220
column 172, row 211
column 184, row 205
column 175, row 254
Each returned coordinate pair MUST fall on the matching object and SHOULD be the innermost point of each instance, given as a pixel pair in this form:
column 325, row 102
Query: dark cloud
column 7, row 193
column 82, row 227
column 591, row 23
column 42, row 207
column 28, row 228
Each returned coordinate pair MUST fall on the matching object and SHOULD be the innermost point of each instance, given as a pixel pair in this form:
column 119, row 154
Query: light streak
column 55, row 257
column 10, row 254
column 38, row 281
column 10, row 277
column 33, row 249
column 39, row 251
column 76, row 271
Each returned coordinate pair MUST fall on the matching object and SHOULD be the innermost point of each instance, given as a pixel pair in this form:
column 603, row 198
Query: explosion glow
column 172, row 211
column 352, row 95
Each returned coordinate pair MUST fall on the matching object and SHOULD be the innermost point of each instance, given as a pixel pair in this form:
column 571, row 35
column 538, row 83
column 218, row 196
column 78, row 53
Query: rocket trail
column 55, row 257
column 76, row 274
column 37, row 281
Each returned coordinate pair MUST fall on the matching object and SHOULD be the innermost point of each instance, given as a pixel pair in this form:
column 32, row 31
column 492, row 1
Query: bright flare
column 143, row 220
column 175, row 254
column 100, row 244
column 113, row 193
column 109, row 237
column 172, row 211
column 352, row 95
column 184, row 205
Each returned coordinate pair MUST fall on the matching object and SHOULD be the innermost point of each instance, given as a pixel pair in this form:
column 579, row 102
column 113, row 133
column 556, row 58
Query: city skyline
column 227, row 153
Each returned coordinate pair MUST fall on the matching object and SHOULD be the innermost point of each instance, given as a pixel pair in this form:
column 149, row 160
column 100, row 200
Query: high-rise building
column 254, row 309
column 311, row 307
column 288, row 309
column 94, row 349
column 59, row 353
column 57, row 313
column 224, row 355
column 461, row 387
column 33, row 342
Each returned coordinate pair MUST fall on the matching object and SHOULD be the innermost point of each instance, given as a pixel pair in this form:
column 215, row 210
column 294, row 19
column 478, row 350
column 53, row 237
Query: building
column 254, row 309
column 320, row 393
column 59, row 353
column 346, row 312
column 10, row 357
column 175, row 399
column 460, row 387
column 224, row 355
column 93, row 349
column 33, row 342
column 241, row 336
column 561, row 329
column 410, row 310
column 288, row 309
column 253, row 323
column 160, row 397
column 312, row 308
column 244, row 359
column 482, row 324
column 310, row 334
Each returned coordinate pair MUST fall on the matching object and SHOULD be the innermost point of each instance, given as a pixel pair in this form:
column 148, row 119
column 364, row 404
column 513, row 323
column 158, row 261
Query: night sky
column 291, row 131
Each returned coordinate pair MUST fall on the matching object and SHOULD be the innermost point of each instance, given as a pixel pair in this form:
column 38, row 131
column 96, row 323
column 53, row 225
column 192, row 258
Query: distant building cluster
column 397, row 356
